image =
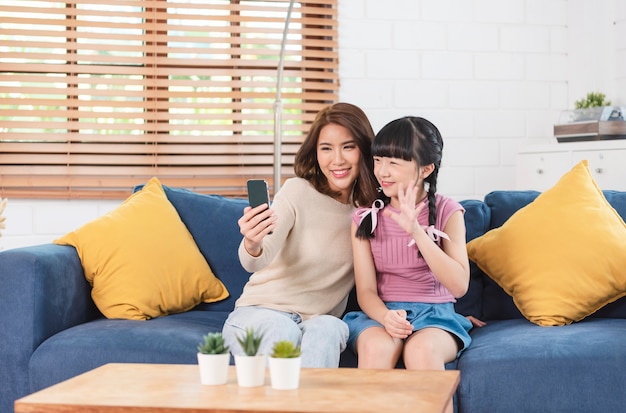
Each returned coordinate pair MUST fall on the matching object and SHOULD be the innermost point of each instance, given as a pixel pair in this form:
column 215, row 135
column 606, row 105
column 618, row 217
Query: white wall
column 493, row 75
column 619, row 35
column 32, row 222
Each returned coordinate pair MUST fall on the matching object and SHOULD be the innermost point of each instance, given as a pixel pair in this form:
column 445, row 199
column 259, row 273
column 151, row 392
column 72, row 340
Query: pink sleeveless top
column 403, row 275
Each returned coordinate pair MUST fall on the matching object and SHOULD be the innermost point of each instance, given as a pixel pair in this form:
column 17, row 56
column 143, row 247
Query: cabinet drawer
column 540, row 171
column 608, row 167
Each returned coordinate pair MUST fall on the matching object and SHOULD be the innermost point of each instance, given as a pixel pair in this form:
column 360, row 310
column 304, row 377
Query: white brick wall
column 620, row 51
column 31, row 222
column 493, row 75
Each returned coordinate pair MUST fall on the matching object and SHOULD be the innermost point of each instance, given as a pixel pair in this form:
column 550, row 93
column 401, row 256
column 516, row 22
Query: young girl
column 410, row 259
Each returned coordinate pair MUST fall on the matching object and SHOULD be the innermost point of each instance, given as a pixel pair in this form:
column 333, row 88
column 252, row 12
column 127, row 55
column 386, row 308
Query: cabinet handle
column 540, row 171
column 599, row 170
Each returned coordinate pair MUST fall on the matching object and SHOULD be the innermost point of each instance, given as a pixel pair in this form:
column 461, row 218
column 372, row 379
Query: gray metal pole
column 278, row 105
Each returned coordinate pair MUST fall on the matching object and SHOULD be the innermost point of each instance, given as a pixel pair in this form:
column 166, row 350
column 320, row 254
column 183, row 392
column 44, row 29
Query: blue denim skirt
column 420, row 315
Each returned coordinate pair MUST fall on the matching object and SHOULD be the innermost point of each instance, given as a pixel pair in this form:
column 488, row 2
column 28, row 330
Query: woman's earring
column 379, row 189
column 426, row 186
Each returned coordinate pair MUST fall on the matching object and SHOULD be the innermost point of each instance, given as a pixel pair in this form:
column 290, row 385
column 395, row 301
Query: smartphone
column 258, row 192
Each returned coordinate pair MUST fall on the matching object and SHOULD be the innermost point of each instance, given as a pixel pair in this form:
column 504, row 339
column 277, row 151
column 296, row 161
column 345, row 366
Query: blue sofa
column 51, row 329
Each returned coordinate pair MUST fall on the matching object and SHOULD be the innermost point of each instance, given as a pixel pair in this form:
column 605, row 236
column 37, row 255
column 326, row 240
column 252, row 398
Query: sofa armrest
column 42, row 291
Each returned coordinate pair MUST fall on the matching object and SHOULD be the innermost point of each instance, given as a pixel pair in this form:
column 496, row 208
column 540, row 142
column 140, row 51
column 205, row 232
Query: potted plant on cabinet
column 284, row 365
column 590, row 107
column 592, row 119
column 213, row 359
column 250, row 366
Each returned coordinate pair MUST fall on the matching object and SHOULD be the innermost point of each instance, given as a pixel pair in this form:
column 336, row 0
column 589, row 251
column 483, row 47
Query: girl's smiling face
column 393, row 172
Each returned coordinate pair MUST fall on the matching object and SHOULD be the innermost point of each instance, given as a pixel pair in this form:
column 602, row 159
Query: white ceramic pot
column 250, row 370
column 285, row 373
column 213, row 368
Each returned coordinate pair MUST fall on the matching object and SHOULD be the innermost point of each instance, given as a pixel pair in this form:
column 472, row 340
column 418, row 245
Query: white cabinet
column 541, row 170
column 608, row 167
column 539, row 167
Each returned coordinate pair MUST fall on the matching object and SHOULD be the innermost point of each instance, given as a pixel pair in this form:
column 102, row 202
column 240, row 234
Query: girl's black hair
column 409, row 138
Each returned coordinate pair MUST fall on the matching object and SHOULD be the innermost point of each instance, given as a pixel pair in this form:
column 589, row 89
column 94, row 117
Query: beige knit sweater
column 306, row 264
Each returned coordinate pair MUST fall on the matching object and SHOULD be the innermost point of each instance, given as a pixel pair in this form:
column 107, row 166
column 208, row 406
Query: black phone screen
column 258, row 192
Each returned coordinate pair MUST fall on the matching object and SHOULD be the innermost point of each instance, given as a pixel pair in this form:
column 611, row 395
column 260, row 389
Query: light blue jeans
column 321, row 338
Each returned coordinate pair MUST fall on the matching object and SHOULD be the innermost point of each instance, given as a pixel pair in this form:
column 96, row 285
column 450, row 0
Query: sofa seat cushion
column 171, row 339
column 513, row 363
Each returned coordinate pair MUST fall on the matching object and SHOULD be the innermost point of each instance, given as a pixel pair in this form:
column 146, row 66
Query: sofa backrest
column 487, row 300
column 212, row 221
column 477, row 221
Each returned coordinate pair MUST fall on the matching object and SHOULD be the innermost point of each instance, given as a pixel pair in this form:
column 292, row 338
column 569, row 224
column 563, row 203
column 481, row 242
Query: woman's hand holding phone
column 258, row 220
column 254, row 225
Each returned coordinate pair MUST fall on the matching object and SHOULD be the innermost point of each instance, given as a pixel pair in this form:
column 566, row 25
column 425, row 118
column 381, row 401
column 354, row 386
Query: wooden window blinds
column 97, row 96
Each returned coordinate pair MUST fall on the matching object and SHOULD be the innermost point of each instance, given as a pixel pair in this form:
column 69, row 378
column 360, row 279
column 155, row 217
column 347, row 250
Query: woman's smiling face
column 338, row 157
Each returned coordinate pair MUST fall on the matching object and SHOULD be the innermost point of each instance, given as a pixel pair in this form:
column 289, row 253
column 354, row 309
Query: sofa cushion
column 142, row 261
column 477, row 216
column 212, row 221
column 517, row 366
column 173, row 339
column 561, row 257
column 496, row 303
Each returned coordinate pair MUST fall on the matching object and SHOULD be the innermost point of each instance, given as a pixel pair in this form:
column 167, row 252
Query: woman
column 299, row 250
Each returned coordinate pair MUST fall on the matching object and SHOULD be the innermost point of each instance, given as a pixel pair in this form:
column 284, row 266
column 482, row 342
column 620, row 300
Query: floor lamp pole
column 278, row 105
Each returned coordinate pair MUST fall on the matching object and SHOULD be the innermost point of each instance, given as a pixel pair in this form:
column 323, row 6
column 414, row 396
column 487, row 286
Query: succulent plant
column 213, row 344
column 285, row 349
column 250, row 342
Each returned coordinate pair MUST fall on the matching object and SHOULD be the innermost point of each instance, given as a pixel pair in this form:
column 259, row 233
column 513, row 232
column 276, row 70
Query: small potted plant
column 250, row 365
column 284, row 365
column 590, row 107
column 213, row 359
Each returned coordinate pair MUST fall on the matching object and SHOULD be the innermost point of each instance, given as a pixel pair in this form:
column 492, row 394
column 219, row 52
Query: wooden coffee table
column 173, row 388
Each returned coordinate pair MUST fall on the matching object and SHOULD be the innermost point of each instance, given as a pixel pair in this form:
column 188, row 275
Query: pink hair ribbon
column 433, row 234
column 377, row 205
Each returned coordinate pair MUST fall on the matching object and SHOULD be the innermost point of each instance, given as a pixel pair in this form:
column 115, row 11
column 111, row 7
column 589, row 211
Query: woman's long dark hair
column 413, row 139
column 354, row 119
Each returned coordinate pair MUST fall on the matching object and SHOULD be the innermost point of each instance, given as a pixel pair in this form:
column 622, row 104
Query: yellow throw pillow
column 142, row 261
column 561, row 257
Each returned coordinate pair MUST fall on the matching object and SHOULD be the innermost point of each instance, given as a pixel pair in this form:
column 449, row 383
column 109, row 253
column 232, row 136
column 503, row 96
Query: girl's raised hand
column 407, row 218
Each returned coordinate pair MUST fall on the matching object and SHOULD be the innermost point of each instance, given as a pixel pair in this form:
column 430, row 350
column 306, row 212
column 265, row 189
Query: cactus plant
column 213, row 344
column 250, row 342
column 285, row 349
